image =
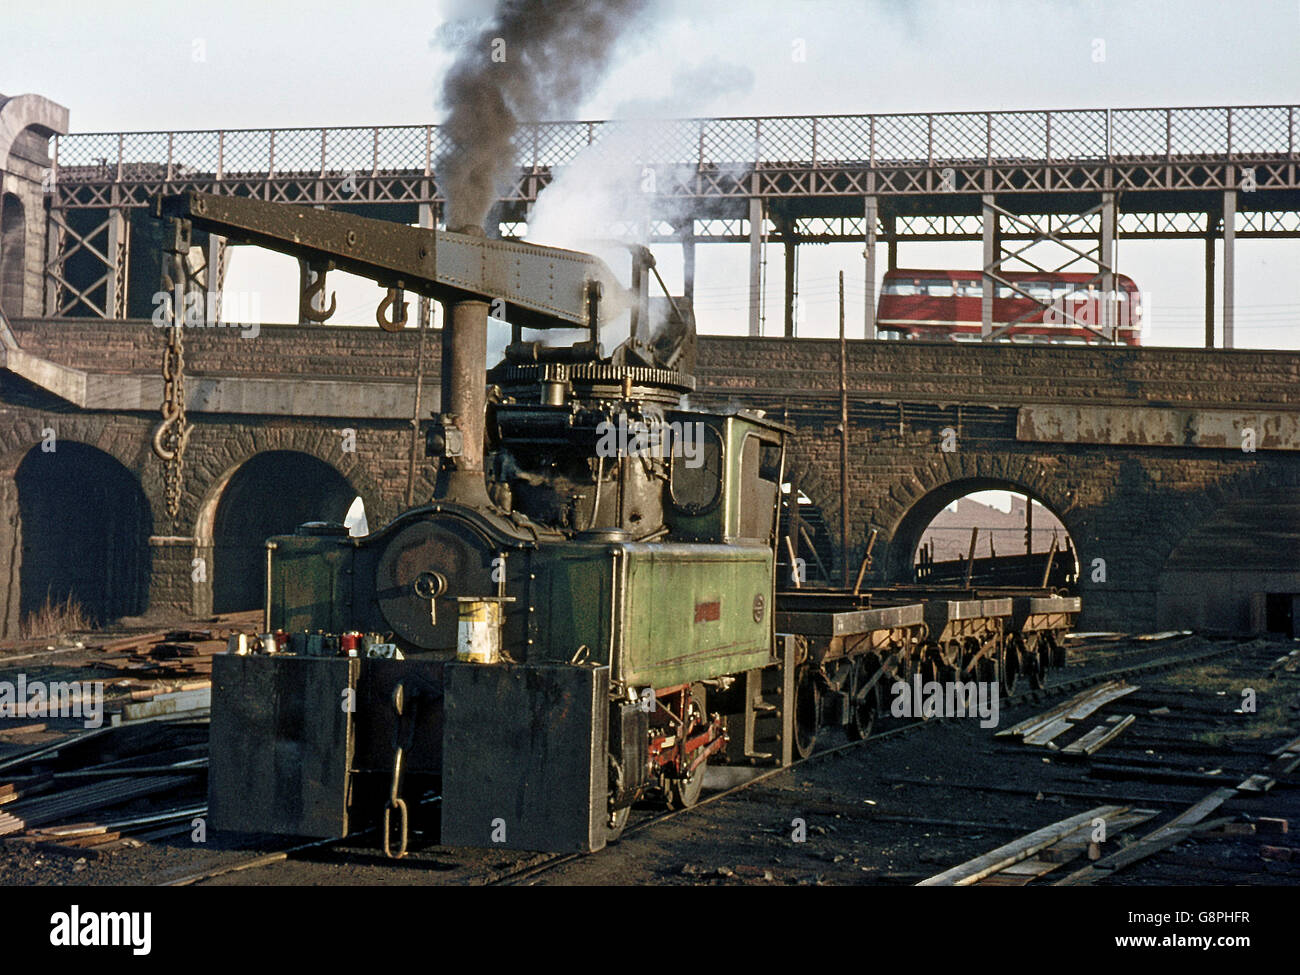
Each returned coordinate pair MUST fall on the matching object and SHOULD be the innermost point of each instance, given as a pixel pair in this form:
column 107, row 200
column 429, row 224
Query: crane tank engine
column 587, row 611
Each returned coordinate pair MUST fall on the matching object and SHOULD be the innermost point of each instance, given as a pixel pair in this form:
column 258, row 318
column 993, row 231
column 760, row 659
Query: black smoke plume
column 548, row 54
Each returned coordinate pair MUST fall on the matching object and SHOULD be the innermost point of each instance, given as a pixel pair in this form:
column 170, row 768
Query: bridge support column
column 869, row 257
column 992, row 261
column 215, row 257
column 688, row 262
column 1209, row 279
column 791, row 246
column 1106, row 258
column 755, row 266
column 891, row 230
column 118, row 254
column 1229, row 267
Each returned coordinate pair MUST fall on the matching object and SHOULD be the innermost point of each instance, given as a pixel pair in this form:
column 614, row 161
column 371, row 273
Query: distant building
column 949, row 533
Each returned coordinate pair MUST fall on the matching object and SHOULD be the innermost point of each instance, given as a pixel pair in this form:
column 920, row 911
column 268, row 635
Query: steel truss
column 1169, row 172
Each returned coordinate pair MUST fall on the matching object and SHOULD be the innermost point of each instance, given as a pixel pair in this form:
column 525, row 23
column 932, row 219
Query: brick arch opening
column 81, row 534
column 270, row 493
column 13, row 254
column 1245, row 548
column 911, row 526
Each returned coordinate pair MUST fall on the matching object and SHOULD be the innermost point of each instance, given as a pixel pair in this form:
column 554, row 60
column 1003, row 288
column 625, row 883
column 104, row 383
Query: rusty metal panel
column 281, row 744
column 524, row 756
column 1144, row 426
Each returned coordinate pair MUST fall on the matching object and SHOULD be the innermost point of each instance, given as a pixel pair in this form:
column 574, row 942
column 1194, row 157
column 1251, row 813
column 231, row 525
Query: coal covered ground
column 868, row 814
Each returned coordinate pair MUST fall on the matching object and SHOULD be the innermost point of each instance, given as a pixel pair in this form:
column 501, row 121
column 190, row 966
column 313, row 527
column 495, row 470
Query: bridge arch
column 74, row 530
column 268, row 493
column 910, row 522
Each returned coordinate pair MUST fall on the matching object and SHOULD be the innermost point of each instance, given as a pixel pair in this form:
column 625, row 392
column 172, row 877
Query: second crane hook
column 398, row 321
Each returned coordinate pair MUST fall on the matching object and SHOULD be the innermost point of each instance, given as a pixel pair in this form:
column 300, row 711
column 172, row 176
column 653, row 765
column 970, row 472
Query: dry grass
column 55, row 619
column 1272, row 717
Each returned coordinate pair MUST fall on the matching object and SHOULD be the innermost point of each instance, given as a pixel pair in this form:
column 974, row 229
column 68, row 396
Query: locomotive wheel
column 683, row 793
column 862, row 715
column 807, row 716
column 616, row 823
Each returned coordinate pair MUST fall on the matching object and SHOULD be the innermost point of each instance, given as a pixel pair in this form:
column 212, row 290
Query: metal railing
column 1266, row 132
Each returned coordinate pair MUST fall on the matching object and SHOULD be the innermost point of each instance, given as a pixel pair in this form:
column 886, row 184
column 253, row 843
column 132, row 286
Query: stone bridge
column 1175, row 470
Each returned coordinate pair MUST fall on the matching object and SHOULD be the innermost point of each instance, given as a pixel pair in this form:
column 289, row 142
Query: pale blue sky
column 132, row 66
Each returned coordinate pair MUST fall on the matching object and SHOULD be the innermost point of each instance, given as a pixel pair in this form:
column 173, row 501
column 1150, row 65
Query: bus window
column 937, row 288
column 902, row 288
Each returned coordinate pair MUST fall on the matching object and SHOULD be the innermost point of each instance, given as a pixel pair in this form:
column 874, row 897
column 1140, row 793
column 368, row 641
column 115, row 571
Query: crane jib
column 541, row 287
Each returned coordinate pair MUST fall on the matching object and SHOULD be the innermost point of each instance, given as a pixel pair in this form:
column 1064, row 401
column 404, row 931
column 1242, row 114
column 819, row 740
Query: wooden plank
column 1290, row 746
column 1045, row 734
column 1096, row 739
column 1026, row 846
column 1100, row 700
column 1256, row 783
column 23, row 729
column 1173, row 832
column 1072, row 847
column 1030, row 724
column 132, row 642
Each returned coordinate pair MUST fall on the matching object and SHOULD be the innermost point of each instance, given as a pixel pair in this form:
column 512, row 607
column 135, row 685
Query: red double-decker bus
column 1063, row 307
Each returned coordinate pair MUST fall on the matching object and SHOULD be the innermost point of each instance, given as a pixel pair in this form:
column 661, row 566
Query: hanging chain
column 171, row 435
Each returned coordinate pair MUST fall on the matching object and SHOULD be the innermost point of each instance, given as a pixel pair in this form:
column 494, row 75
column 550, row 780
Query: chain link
column 173, row 433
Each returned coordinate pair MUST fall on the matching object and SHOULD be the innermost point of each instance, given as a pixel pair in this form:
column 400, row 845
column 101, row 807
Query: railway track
column 531, row 869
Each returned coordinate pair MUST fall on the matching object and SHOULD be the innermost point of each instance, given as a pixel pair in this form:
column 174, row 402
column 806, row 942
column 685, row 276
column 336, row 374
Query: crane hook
column 309, row 294
column 398, row 322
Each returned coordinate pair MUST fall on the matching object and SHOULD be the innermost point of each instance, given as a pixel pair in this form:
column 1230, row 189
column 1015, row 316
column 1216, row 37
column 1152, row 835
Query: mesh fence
column 970, row 137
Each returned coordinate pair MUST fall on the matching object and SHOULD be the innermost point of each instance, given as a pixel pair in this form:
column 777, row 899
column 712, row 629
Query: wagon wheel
column 807, row 715
column 1036, row 665
column 930, row 669
column 1009, row 664
column 1056, row 650
column 953, row 658
column 862, row 713
column 683, row 793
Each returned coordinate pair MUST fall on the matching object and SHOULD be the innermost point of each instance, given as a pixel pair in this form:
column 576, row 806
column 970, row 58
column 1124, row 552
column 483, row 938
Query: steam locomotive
column 587, row 613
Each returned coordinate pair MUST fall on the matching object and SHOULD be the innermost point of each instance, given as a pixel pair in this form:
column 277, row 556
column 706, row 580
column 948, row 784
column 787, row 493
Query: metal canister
column 237, row 643
column 478, row 630
column 350, row 643
column 298, row 643
column 315, row 644
column 268, row 642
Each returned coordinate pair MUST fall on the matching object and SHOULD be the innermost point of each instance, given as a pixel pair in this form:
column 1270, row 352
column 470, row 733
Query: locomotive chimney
column 464, row 392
